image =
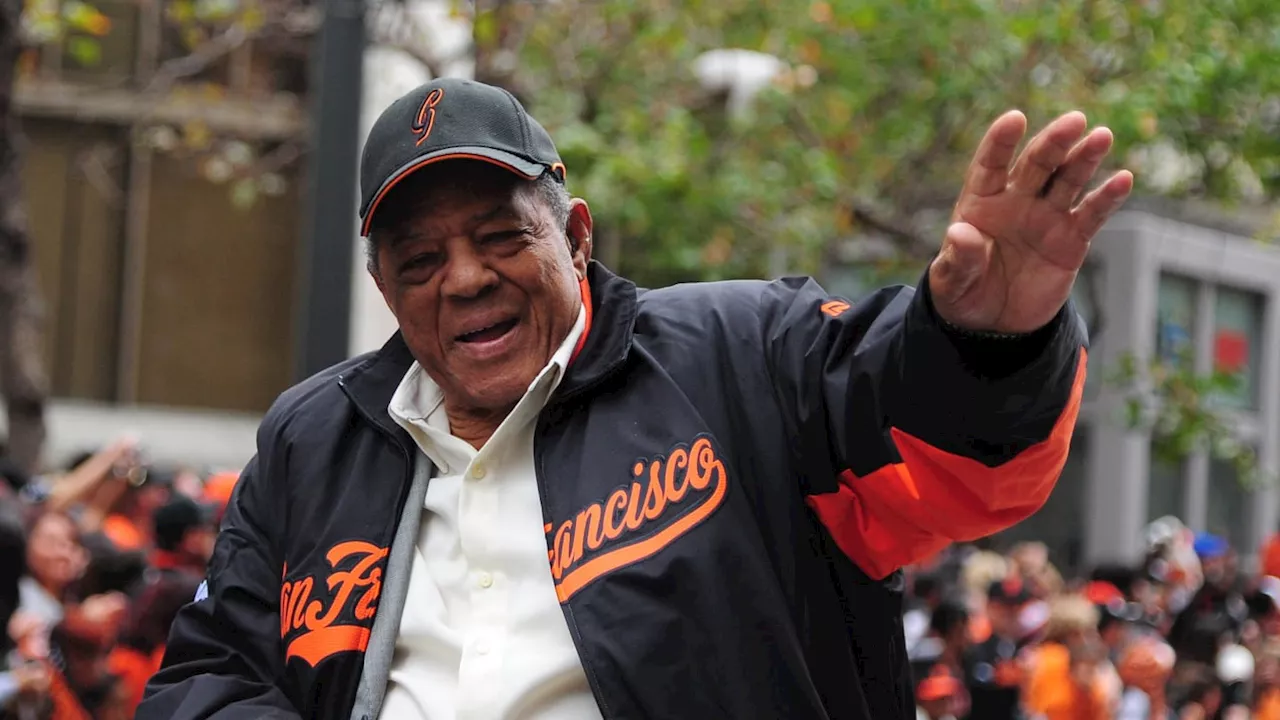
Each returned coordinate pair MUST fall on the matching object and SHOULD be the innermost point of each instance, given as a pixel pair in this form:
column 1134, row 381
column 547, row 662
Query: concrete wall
column 202, row 439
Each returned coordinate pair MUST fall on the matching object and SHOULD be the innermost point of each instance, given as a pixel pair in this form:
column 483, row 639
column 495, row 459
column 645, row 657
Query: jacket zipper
column 540, row 429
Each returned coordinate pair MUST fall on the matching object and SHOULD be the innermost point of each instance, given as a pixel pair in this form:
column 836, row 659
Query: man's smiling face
column 481, row 277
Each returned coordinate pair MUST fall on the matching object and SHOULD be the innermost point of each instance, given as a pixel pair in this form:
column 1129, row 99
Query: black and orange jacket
column 731, row 474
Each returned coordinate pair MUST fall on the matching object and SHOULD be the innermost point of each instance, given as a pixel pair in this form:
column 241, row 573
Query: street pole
column 329, row 227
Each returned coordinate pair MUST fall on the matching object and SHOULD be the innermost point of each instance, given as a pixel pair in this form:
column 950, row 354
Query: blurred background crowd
column 95, row 562
column 178, row 245
column 1183, row 634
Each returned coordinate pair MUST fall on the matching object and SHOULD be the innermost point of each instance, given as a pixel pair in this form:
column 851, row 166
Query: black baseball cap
column 451, row 119
column 1009, row 591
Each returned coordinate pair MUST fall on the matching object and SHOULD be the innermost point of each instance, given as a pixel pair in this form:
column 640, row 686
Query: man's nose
column 466, row 274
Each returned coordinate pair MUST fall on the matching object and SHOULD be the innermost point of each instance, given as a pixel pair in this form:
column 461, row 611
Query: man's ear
column 578, row 232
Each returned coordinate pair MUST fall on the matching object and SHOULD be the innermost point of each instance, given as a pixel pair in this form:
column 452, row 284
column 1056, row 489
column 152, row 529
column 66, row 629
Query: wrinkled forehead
column 447, row 188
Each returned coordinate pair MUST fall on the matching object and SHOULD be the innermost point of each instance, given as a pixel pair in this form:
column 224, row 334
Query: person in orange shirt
column 1269, row 556
column 1067, row 674
column 993, row 667
column 1144, row 668
column 140, row 493
column 139, row 653
column 1266, row 684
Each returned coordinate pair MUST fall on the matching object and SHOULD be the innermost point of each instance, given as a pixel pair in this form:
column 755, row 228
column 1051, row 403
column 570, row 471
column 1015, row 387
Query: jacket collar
column 370, row 384
column 608, row 340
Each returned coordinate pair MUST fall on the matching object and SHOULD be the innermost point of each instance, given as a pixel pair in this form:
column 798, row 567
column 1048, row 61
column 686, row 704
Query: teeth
column 480, row 330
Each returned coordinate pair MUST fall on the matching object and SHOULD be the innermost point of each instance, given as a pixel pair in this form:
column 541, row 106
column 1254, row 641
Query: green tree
column 864, row 131
column 875, row 111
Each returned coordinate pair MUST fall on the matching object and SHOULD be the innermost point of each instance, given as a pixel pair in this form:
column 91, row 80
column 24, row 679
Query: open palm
column 1018, row 236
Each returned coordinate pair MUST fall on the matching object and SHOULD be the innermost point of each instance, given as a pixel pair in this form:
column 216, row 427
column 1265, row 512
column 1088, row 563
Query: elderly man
column 555, row 495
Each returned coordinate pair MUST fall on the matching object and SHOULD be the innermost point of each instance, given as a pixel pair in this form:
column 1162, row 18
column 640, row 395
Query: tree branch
column 394, row 28
column 279, row 158
column 209, row 52
column 593, row 87
column 420, row 54
column 912, row 241
column 862, row 210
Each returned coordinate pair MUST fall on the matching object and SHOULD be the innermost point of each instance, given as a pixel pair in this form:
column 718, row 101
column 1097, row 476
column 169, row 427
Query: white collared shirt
column 483, row 635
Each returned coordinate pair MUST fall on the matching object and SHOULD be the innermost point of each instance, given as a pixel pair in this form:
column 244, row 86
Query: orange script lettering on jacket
column 689, row 484
column 314, row 629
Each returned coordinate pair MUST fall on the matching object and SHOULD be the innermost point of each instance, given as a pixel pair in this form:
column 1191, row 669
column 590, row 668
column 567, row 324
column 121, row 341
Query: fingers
column 989, row 172
column 1069, row 180
column 1098, row 206
column 1046, row 153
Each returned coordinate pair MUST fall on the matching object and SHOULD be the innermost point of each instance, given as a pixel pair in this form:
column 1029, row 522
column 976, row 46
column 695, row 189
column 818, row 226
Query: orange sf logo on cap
column 426, row 117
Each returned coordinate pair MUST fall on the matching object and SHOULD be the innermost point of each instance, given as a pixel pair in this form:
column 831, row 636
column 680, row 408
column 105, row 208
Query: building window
column 218, row 294
column 217, row 281
column 1176, row 318
column 73, row 178
column 1166, row 488
column 158, row 288
column 1229, row 509
column 1237, row 343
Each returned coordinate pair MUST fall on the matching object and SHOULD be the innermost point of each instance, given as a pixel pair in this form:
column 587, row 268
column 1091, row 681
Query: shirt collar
column 418, row 396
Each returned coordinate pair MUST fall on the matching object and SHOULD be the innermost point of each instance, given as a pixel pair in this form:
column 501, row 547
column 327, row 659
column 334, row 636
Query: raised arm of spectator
column 82, row 483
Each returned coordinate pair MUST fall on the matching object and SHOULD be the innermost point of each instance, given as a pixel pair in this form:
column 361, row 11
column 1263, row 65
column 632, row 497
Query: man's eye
column 421, row 261
column 500, row 237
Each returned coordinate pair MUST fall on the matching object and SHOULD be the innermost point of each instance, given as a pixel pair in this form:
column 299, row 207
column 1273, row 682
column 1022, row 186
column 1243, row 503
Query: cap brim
column 524, row 168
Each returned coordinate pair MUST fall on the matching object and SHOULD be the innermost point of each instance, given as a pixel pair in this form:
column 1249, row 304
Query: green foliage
column 77, row 23
column 871, row 122
column 880, row 103
column 1183, row 411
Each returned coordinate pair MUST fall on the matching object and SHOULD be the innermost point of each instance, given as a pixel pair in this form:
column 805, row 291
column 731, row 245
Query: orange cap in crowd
column 123, row 533
column 1100, row 592
column 937, row 686
column 217, row 489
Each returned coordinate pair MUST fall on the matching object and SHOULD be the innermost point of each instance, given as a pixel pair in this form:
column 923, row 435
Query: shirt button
column 482, row 647
column 478, row 471
column 486, row 580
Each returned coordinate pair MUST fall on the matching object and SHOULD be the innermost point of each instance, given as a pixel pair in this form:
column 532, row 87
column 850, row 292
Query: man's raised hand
column 1020, row 230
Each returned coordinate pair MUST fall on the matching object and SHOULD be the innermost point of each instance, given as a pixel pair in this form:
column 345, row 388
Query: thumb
column 961, row 262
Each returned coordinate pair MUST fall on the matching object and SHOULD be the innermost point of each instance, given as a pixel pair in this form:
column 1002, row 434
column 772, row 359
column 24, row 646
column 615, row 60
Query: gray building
column 1156, row 284
column 1159, row 279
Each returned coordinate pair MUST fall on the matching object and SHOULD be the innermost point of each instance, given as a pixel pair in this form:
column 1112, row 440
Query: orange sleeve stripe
column 906, row 511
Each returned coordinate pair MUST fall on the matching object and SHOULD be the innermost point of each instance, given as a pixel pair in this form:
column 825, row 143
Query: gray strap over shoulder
column 395, row 587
